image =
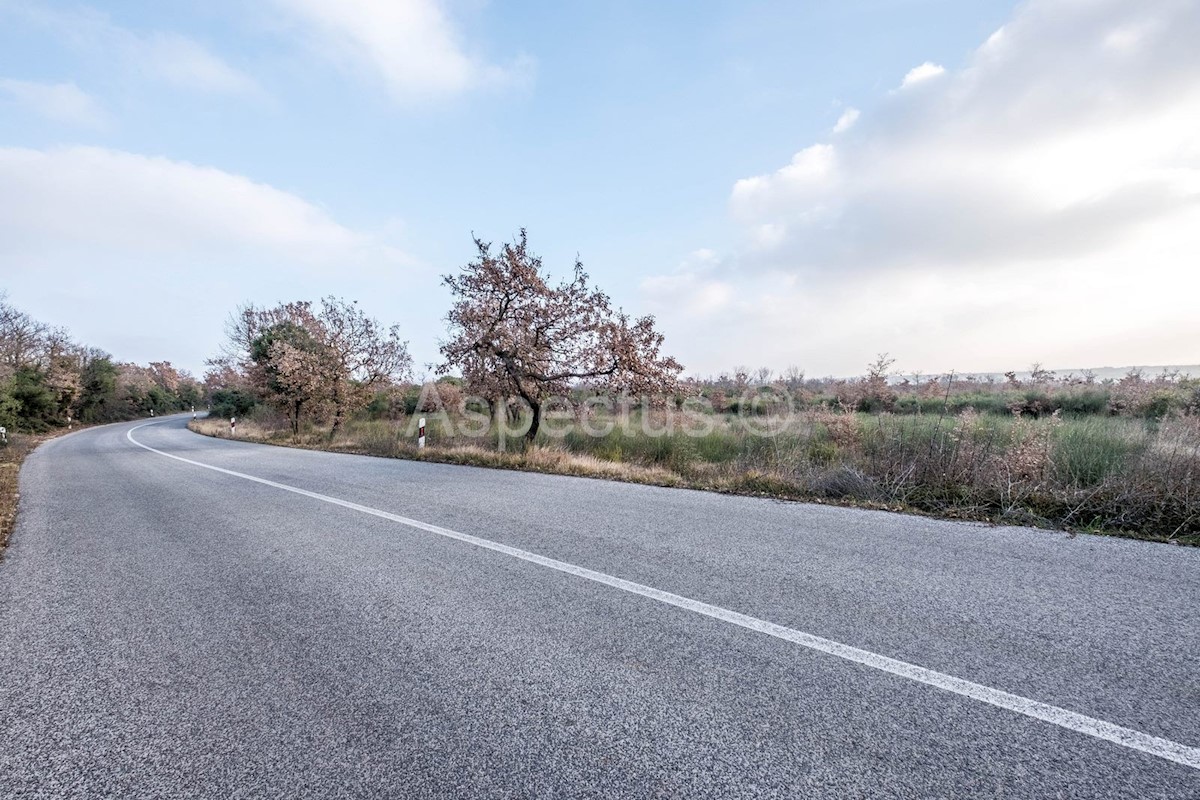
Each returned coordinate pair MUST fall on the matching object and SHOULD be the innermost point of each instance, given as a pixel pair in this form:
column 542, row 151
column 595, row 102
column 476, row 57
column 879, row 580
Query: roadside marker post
column 3, row 434
column 233, row 426
column 421, row 434
column 193, row 412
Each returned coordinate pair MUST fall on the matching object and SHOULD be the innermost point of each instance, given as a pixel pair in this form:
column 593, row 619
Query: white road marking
column 1080, row 723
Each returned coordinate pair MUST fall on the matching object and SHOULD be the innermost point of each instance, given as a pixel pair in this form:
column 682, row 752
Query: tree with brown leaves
column 514, row 334
column 306, row 360
column 288, row 363
column 361, row 356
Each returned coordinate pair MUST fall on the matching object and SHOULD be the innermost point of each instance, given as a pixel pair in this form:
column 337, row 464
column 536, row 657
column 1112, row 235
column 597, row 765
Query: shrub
column 845, row 482
column 1084, row 403
column 231, row 403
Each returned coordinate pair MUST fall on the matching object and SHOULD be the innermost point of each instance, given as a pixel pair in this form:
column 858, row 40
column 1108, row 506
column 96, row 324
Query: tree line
column 48, row 380
column 513, row 334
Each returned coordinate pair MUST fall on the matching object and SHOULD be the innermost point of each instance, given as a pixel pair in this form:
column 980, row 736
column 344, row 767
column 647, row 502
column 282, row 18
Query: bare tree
column 513, row 333
column 361, row 356
column 21, row 338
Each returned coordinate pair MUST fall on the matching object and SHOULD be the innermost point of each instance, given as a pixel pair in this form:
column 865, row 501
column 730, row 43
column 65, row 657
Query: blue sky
column 780, row 183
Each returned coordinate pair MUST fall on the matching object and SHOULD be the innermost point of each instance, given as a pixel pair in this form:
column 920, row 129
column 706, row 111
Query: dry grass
column 1111, row 475
column 552, row 459
column 11, row 456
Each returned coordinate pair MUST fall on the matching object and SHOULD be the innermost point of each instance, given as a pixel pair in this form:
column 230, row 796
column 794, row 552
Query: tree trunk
column 337, row 411
column 535, row 423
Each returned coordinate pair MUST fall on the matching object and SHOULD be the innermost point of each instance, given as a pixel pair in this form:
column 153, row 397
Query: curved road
column 183, row 616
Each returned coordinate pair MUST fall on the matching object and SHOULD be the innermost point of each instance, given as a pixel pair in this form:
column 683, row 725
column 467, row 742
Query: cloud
column 922, row 73
column 1052, row 141
column 61, row 102
column 1036, row 203
column 411, row 45
column 140, row 253
column 846, row 120
column 168, row 57
column 88, row 198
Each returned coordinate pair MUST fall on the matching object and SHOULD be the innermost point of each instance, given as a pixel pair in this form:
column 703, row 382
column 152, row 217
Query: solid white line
column 1126, row 737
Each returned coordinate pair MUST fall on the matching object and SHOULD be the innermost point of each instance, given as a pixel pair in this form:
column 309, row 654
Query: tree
column 47, row 379
column 228, row 401
column 289, row 356
column 512, row 333
column 21, row 338
column 98, row 389
column 36, row 405
column 299, row 359
column 361, row 356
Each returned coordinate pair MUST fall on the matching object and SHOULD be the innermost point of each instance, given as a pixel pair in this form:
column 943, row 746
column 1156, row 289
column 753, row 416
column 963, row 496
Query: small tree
column 98, row 391
column 512, row 333
column 361, row 356
column 288, row 358
column 301, row 360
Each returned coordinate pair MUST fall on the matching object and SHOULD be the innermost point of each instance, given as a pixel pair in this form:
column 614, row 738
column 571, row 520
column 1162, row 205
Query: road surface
column 184, row 616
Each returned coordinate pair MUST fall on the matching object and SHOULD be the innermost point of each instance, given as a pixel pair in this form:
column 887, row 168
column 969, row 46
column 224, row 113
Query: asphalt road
column 168, row 630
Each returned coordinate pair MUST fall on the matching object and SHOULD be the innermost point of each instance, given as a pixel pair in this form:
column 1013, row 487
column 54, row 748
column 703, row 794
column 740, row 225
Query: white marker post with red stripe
column 233, row 426
column 421, row 433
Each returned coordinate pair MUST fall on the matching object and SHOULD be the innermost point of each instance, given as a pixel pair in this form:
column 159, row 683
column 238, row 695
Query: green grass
column 1089, row 451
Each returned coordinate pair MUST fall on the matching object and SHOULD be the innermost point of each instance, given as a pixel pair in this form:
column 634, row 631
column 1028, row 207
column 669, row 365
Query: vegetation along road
column 189, row 616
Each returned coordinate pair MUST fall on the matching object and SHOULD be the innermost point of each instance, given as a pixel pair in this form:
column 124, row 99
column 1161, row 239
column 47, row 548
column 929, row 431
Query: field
column 1127, row 475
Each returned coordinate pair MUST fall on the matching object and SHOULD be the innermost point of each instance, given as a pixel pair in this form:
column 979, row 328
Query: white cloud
column 846, row 120
column 1049, row 142
column 922, row 73
column 104, row 200
column 1033, row 205
column 168, row 57
column 411, row 45
column 1129, row 305
column 146, row 256
column 62, row 102
column 812, row 174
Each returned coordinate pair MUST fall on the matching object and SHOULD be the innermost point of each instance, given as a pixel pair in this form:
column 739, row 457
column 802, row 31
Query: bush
column 1084, row 403
column 28, row 403
column 231, row 403
column 844, row 482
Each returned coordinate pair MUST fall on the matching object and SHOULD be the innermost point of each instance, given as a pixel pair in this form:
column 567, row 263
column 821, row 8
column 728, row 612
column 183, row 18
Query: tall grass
column 1125, row 475
column 1089, row 451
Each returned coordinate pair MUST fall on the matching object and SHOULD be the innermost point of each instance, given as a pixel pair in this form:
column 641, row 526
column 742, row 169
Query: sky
column 970, row 186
